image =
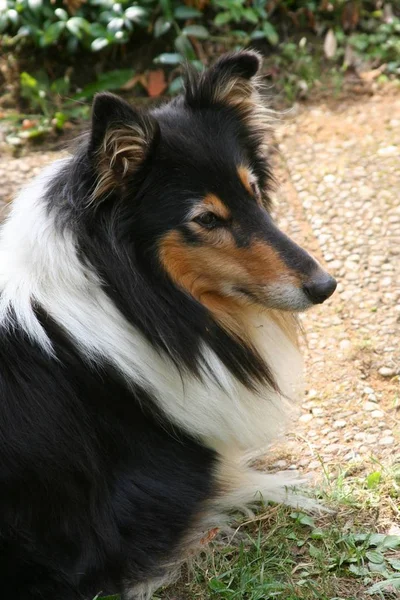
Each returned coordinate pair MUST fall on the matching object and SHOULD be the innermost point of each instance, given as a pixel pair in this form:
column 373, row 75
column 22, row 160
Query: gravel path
column 342, row 179
column 340, row 175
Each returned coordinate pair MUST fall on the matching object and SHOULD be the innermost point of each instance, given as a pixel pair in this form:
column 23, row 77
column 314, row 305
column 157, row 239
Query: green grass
column 348, row 554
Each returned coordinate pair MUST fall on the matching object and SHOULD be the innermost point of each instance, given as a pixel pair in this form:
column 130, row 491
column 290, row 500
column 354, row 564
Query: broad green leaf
column 99, row 44
column 97, row 30
column 394, row 563
column 216, row 586
column 28, row 81
column 35, row 4
column 358, row 570
column 52, row 33
column 169, row 58
column 317, row 534
column 222, row 18
column 116, row 24
column 59, row 120
column 303, row 519
column 161, row 26
column 375, row 556
column 13, row 16
column 184, row 47
column 374, row 479
column 186, row 12
column 393, row 582
column 61, row 14
column 314, row 552
column 257, row 35
column 197, row 31
column 77, row 26
column 270, row 33
column 390, row 542
column 113, row 80
column 136, row 13
column 250, row 15
column 176, row 85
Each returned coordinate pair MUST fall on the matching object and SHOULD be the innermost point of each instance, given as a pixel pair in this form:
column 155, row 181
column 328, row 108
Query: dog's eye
column 207, row 219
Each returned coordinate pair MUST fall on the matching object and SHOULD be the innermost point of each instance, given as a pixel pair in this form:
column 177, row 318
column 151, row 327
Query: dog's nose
column 320, row 287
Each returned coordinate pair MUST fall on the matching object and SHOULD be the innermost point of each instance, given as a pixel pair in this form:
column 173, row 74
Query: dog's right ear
column 121, row 139
column 230, row 81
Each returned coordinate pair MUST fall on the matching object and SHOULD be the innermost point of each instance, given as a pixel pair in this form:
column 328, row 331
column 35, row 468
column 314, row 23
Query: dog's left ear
column 121, row 139
column 230, row 81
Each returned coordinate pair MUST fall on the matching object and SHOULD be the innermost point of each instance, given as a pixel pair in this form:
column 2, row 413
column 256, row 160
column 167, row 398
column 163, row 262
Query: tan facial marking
column 245, row 178
column 211, row 274
column 214, row 204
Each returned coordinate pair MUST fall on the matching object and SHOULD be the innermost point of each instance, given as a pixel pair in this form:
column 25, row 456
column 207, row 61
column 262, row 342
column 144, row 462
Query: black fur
column 95, row 487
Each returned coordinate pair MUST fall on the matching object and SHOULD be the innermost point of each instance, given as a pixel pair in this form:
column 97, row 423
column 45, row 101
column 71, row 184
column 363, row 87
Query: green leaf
column 375, row 556
column 35, row 5
column 393, row 582
column 169, row 58
column 59, row 120
column 13, row 16
column 358, row 570
column 136, row 14
column 99, row 44
column 61, row 14
column 257, row 35
column 175, row 86
column 161, row 26
column 216, row 586
column 112, row 80
column 28, row 81
column 116, row 24
column 186, row 12
column 317, row 534
column 314, row 552
column 270, row 33
column 303, row 519
column 394, row 563
column 197, row 31
column 77, row 26
column 390, row 542
column 374, row 479
column 97, row 30
column 222, row 18
column 250, row 15
column 52, row 33
column 184, row 47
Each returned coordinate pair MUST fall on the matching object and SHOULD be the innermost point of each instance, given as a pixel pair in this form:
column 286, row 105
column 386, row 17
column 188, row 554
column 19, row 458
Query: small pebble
column 387, row 372
column 369, row 406
column 386, row 441
column 306, row 418
column 377, row 414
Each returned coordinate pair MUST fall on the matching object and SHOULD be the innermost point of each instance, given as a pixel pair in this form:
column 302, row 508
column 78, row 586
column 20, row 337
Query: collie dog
column 148, row 341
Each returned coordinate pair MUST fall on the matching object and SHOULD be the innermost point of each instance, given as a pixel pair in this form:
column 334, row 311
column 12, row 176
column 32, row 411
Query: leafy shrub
column 381, row 44
column 92, row 25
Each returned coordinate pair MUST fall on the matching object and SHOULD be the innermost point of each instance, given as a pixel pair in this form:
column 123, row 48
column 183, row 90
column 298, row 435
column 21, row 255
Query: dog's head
column 193, row 177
